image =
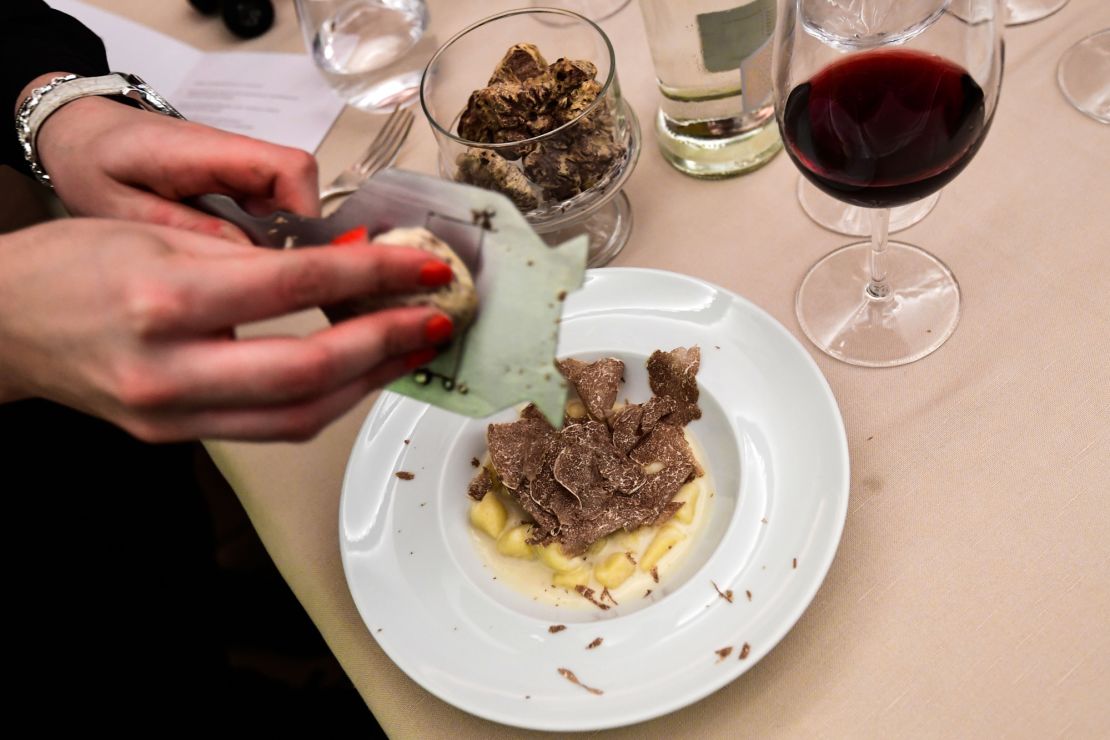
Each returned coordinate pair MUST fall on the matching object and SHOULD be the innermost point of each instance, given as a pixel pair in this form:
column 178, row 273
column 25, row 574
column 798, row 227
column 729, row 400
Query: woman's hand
column 110, row 160
column 134, row 323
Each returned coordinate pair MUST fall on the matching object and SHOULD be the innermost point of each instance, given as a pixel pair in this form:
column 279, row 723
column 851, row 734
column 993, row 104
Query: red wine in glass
column 884, row 128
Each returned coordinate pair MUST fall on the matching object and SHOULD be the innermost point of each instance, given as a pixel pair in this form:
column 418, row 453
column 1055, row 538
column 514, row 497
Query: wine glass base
column 1020, row 12
column 1084, row 76
column 834, row 215
column 597, row 10
column 839, row 316
column 608, row 228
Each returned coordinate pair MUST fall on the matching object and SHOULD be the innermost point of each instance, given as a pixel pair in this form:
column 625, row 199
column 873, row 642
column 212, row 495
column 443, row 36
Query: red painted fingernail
column 435, row 274
column 354, row 236
column 438, row 329
column 420, row 357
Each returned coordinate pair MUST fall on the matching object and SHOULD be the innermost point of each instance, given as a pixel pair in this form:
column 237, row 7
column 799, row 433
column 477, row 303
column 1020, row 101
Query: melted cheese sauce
column 533, row 577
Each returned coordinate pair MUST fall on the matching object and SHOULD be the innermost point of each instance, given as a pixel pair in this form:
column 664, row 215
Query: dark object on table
column 206, row 7
column 244, row 18
column 248, row 18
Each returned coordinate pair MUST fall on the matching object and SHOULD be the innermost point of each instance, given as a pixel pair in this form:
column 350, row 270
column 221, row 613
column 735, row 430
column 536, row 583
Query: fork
column 379, row 155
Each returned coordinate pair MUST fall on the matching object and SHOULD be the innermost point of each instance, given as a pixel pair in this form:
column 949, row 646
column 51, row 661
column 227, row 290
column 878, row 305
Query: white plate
column 776, row 450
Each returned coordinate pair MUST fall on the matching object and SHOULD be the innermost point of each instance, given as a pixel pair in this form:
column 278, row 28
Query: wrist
column 62, row 136
column 45, row 101
column 37, row 82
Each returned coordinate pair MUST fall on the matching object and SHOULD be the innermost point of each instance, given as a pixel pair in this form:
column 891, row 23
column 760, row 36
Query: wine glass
column 565, row 175
column 1084, row 75
column 881, row 103
column 1020, row 12
column 844, row 218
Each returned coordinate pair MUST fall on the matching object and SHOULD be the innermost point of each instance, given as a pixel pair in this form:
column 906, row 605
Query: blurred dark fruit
column 206, row 7
column 248, row 18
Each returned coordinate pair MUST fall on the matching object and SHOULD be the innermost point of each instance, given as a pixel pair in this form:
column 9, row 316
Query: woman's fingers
column 290, row 422
column 264, row 176
column 199, row 296
column 293, row 421
column 278, row 370
column 147, row 207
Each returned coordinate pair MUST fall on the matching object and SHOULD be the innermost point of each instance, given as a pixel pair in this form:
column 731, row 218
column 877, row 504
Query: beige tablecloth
column 971, row 592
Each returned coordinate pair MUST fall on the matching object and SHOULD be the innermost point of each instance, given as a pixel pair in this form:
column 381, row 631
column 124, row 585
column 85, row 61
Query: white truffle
column 458, row 299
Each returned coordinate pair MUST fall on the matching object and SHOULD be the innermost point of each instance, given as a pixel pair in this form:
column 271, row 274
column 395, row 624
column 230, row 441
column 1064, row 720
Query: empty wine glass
column 371, row 52
column 1020, row 12
column 1084, row 75
column 881, row 103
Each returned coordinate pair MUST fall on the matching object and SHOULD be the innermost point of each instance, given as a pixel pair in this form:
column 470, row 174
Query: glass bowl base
column 839, row 316
column 608, row 228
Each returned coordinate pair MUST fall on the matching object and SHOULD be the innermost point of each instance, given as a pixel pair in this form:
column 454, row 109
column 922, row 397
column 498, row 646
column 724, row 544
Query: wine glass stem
column 880, row 225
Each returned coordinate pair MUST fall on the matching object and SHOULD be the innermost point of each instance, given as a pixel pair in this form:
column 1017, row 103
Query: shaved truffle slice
column 655, row 410
column 550, row 504
column 574, row 469
column 669, row 510
column 618, row 471
column 626, row 427
column 545, row 527
column 514, row 447
column 589, row 458
column 596, row 383
column 666, row 444
column 480, row 485
column 531, row 412
column 649, row 505
column 674, row 373
column 607, row 471
column 577, row 536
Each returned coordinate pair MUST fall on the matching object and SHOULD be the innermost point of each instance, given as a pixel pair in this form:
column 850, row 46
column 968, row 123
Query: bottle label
column 728, row 37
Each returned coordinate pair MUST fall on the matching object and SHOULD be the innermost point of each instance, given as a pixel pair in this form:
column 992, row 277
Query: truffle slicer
column 507, row 355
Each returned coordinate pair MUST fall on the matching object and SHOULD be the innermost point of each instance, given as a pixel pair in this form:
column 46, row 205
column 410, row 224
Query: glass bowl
column 537, row 136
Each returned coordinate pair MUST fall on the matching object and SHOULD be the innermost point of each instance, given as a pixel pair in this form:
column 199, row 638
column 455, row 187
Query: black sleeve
column 34, row 40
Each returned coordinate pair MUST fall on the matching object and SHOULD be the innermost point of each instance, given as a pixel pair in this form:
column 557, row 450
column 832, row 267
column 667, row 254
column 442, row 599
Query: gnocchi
column 614, row 570
column 489, row 515
column 514, row 542
column 553, row 557
column 597, row 547
column 664, row 541
column 569, row 579
column 689, row 496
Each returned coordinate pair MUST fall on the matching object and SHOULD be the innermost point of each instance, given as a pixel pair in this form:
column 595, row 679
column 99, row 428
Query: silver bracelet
column 44, row 101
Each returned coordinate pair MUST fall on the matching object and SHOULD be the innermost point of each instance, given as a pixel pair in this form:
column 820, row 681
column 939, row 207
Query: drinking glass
column 595, row 10
column 566, row 181
column 881, row 103
column 1020, row 12
column 1084, row 75
column 371, row 52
